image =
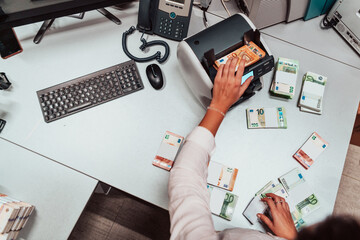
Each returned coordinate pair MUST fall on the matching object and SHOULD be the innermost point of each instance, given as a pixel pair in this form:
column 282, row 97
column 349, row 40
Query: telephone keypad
column 175, row 29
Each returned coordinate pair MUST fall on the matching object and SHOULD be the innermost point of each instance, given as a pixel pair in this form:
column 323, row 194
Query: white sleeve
column 190, row 215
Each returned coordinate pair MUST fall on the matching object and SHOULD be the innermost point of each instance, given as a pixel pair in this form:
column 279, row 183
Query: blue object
column 327, row 6
column 324, row 146
column 172, row 15
column 303, row 97
column 246, row 76
column 314, row 9
column 300, row 176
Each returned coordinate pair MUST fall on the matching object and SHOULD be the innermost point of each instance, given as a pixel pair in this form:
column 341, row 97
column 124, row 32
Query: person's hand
column 282, row 224
column 227, row 86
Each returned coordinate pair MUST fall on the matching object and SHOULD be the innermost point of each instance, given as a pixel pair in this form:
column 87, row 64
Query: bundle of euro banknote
column 250, row 52
column 311, row 149
column 311, row 98
column 293, row 187
column 222, row 203
column 285, row 78
column 273, row 117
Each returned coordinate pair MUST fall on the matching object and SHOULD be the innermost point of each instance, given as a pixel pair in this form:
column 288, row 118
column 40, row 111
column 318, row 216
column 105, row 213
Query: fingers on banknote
column 232, row 68
column 219, row 74
column 240, row 70
column 226, row 69
column 270, row 203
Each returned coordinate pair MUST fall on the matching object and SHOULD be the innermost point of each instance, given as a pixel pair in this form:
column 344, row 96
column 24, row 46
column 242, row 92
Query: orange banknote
column 250, row 52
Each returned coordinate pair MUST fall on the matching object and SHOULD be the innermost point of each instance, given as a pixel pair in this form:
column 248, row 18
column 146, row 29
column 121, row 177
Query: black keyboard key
column 88, row 91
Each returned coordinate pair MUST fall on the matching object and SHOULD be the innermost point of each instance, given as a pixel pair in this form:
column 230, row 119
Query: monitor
column 21, row 12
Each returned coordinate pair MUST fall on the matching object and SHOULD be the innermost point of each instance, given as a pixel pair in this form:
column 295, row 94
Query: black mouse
column 155, row 76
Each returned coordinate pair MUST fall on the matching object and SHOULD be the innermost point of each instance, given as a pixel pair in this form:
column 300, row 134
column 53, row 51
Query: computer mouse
column 155, row 76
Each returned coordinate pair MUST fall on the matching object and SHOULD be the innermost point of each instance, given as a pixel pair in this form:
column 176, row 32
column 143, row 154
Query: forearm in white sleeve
column 190, row 215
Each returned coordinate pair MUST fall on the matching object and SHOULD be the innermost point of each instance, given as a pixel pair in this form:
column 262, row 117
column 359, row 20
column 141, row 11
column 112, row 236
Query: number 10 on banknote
column 274, row 117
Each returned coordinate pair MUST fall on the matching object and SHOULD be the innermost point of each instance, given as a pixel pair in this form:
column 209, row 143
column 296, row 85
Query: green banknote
column 308, row 205
column 268, row 186
column 285, row 78
column 292, row 179
column 228, row 206
column 313, row 92
column 222, row 203
column 277, row 190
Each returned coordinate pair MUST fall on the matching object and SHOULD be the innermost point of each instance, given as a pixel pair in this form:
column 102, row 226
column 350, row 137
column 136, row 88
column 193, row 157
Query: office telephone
column 166, row 18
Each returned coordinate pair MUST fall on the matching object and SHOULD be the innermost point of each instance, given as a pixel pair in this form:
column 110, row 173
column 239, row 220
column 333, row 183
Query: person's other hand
column 282, row 224
column 227, row 86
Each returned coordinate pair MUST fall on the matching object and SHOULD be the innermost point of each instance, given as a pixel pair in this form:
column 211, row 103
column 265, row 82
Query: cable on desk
column 204, row 6
column 226, row 9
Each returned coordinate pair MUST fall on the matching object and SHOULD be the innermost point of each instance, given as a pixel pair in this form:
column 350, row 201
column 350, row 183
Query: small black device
column 90, row 90
column 166, row 18
column 2, row 124
column 155, row 76
column 9, row 44
column 4, row 82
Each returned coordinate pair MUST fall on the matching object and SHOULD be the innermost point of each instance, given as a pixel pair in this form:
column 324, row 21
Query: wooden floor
column 121, row 216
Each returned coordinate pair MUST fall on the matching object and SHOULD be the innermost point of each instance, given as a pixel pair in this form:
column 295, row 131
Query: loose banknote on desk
column 253, row 208
column 277, row 189
column 311, row 149
column 285, row 78
column 221, row 176
column 302, row 200
column 250, row 52
column 222, row 203
column 296, row 191
column 168, row 150
column 312, row 95
column 274, row 117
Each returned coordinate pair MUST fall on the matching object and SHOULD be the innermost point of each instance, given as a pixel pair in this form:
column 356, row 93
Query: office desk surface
column 309, row 35
column 305, row 34
column 116, row 142
column 58, row 193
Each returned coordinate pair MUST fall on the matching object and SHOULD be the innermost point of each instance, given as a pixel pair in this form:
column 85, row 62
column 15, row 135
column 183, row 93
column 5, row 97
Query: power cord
column 144, row 45
column 204, row 6
column 226, row 9
column 325, row 24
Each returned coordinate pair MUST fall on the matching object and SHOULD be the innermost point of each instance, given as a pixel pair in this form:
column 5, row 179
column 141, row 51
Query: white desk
column 116, row 142
column 309, row 35
column 304, row 34
column 58, row 193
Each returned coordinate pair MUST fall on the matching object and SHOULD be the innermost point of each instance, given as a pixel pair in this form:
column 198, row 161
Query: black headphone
column 144, row 45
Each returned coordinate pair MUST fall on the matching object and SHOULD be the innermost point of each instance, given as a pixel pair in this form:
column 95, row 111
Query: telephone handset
column 166, row 18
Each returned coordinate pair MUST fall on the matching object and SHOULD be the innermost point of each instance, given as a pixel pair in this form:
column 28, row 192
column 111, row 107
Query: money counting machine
column 197, row 54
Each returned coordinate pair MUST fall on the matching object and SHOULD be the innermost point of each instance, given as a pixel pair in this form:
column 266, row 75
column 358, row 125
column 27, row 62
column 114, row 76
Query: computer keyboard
column 90, row 90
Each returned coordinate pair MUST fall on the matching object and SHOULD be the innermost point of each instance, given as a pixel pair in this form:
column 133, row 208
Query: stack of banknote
column 311, row 98
column 311, row 149
column 274, row 117
column 222, row 203
column 285, row 78
column 302, row 200
column 293, row 187
column 221, row 176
